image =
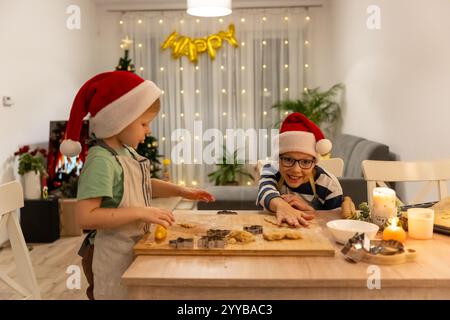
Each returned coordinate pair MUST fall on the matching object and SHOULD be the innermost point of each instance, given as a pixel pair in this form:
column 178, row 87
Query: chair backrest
column 436, row 173
column 333, row 165
column 11, row 199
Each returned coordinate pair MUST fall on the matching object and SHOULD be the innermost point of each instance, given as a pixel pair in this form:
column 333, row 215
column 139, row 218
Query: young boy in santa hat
column 115, row 188
column 294, row 186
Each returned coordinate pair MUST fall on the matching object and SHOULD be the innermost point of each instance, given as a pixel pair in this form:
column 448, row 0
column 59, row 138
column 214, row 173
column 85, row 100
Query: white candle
column 420, row 223
column 383, row 205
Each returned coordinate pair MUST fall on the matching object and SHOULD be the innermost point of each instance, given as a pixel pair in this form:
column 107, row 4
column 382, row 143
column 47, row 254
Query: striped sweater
column 328, row 190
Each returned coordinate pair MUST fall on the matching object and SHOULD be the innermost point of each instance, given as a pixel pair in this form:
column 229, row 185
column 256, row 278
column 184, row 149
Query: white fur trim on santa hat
column 116, row 116
column 323, row 147
column 70, row 148
column 294, row 141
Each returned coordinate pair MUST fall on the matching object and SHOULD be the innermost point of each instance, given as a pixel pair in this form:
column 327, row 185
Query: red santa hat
column 299, row 134
column 113, row 100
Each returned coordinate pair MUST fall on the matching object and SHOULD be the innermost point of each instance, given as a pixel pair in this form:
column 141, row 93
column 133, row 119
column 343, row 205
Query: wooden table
column 237, row 277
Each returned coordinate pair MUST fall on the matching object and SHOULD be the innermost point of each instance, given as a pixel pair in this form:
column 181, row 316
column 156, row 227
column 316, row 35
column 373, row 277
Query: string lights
column 264, row 67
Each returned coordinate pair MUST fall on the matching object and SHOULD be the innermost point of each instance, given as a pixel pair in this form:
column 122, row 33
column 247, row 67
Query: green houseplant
column 32, row 168
column 31, row 161
column 228, row 173
column 319, row 106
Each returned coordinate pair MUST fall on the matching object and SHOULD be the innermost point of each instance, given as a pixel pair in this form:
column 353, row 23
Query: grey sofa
column 352, row 149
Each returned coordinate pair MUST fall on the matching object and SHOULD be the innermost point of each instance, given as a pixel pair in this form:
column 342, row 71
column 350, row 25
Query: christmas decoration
column 32, row 168
column 125, row 62
column 182, row 45
column 31, row 160
column 149, row 149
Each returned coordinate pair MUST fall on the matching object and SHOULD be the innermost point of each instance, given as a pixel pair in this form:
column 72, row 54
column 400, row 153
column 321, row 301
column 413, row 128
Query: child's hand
column 156, row 215
column 298, row 203
column 292, row 216
column 197, row 194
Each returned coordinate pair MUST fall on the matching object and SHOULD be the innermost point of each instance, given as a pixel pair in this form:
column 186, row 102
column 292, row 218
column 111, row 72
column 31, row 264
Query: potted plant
column 320, row 107
column 227, row 173
column 32, row 168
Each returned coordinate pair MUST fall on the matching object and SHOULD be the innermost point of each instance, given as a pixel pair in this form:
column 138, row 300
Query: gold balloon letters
column 186, row 46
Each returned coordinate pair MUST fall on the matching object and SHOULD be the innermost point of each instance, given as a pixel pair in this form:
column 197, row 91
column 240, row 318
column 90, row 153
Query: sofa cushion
column 353, row 150
column 343, row 146
column 365, row 150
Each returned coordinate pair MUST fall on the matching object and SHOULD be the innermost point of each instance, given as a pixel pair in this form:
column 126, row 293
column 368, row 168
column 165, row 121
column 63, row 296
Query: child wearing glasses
column 294, row 186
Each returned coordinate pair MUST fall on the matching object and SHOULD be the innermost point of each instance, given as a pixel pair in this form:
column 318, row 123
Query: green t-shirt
column 102, row 177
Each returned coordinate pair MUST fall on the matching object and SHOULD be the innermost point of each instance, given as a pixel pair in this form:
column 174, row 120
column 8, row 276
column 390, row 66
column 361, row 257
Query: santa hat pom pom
column 323, row 146
column 70, row 148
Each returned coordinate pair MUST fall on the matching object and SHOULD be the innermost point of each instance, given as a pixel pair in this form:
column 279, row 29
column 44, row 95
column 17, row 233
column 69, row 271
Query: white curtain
column 237, row 89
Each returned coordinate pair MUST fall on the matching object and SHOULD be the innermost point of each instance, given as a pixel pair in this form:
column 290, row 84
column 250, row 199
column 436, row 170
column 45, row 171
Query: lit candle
column 394, row 232
column 383, row 205
column 420, row 223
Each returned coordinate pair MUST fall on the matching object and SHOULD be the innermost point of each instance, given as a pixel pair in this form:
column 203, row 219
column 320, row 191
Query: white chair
column 11, row 199
column 333, row 165
column 435, row 173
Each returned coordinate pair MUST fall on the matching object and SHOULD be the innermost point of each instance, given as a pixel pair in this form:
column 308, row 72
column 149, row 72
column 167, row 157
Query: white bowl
column 344, row 229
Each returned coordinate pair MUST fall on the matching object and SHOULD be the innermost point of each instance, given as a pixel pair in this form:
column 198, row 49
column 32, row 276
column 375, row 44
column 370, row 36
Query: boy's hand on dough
column 292, row 216
column 298, row 203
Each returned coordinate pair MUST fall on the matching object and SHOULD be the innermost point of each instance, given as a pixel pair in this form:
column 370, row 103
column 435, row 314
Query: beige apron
column 113, row 251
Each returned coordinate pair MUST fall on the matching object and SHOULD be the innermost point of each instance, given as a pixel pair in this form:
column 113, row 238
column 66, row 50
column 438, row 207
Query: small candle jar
column 394, row 232
column 383, row 206
column 420, row 223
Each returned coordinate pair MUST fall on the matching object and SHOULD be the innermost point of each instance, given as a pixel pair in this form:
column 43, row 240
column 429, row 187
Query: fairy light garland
column 264, row 66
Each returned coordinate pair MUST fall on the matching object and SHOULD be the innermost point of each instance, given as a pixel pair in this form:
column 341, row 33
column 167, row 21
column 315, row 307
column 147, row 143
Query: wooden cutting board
column 313, row 242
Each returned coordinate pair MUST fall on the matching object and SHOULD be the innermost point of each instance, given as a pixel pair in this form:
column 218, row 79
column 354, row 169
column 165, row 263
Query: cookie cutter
column 226, row 212
column 182, row 243
column 354, row 250
column 254, row 229
column 211, row 242
column 219, row 233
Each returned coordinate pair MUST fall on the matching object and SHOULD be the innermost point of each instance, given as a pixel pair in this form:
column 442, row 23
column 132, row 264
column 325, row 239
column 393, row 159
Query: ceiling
column 181, row 4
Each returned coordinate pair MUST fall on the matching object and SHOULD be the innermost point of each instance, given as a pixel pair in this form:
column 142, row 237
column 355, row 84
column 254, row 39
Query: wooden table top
column 431, row 269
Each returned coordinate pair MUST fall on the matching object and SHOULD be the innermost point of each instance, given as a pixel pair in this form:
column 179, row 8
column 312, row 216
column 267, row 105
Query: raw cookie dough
column 274, row 235
column 187, row 225
column 273, row 220
column 240, row 236
column 282, row 234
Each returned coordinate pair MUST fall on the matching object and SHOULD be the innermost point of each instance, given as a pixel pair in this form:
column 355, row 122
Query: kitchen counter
column 242, row 277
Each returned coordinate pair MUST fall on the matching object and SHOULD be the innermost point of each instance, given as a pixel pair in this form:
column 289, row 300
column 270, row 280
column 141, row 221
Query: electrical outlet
column 8, row 101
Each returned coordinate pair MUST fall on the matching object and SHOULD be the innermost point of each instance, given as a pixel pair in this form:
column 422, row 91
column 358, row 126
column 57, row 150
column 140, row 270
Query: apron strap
column 101, row 143
column 132, row 152
column 313, row 186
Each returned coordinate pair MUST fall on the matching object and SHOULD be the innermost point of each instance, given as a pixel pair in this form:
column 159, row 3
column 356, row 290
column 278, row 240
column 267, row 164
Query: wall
column 396, row 78
column 42, row 66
